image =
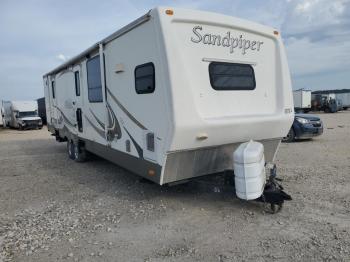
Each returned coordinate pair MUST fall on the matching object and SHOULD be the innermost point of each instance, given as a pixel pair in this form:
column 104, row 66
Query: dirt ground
column 53, row 209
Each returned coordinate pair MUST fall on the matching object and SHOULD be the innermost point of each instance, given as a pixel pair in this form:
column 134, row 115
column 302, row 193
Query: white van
column 173, row 94
column 21, row 114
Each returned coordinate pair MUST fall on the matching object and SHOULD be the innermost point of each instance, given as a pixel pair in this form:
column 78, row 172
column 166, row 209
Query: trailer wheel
column 290, row 136
column 79, row 152
column 70, row 149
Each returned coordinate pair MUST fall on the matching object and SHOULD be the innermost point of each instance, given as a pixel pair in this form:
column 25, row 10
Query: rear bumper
column 187, row 164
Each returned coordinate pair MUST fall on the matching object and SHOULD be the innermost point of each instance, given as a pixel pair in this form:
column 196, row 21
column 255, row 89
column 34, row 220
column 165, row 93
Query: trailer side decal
column 114, row 129
column 132, row 118
column 102, row 125
column 99, row 131
column 65, row 118
column 137, row 146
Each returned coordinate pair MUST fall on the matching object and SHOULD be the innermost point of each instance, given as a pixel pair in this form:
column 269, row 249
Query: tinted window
column 230, row 76
column 144, row 78
column 77, row 83
column 53, row 89
column 94, row 79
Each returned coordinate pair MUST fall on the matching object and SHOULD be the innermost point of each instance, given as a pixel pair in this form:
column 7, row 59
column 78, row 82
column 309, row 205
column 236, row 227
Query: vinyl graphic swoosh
column 102, row 125
column 113, row 130
column 99, row 131
column 137, row 146
column 132, row 118
column 65, row 118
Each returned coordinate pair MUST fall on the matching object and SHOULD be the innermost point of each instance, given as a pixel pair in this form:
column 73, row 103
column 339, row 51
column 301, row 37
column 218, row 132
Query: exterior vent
column 150, row 142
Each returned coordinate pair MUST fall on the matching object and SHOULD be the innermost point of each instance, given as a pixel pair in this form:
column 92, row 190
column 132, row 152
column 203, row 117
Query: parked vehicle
column 344, row 96
column 339, row 104
column 340, row 94
column 302, row 100
column 304, row 126
column 21, row 114
column 42, row 109
column 170, row 95
column 325, row 102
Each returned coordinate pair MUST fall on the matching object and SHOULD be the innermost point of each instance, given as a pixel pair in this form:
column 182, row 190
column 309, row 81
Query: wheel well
column 292, row 128
column 81, row 143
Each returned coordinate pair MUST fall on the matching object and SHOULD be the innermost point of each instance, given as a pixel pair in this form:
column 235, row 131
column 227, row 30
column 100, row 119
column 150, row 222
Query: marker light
column 275, row 33
column 169, row 12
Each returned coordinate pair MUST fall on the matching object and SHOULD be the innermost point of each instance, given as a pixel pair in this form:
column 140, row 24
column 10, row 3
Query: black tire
column 80, row 153
column 70, row 149
column 290, row 136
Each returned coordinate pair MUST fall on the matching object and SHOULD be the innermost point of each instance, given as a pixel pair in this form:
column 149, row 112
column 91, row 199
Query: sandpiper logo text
column 228, row 40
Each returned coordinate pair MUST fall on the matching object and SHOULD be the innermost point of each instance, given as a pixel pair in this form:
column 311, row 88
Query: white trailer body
column 345, row 99
column 173, row 94
column 302, row 99
column 21, row 114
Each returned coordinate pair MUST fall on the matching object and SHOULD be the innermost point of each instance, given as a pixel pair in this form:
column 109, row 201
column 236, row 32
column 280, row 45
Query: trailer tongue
column 273, row 193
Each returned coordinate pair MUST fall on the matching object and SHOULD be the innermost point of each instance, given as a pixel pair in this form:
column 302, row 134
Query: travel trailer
column 172, row 95
column 302, row 100
column 21, row 114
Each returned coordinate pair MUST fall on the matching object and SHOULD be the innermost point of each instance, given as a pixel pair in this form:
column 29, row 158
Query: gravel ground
column 53, row 209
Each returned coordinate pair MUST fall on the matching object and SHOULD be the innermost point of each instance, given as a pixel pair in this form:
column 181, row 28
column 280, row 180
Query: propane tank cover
column 249, row 170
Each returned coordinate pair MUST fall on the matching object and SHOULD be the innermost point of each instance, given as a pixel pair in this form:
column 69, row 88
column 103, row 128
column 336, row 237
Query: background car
column 304, row 126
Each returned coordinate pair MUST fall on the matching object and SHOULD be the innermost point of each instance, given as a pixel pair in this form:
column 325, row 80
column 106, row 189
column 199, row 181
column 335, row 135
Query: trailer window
column 145, row 78
column 94, row 79
column 53, row 89
column 77, row 83
column 231, row 76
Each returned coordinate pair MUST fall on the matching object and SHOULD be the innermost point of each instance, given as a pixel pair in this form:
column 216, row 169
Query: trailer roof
column 109, row 38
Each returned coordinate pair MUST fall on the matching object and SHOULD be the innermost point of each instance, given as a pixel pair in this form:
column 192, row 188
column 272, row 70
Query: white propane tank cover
column 249, row 169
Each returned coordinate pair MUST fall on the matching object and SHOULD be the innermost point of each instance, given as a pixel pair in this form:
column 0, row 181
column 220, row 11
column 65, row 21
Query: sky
column 38, row 35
